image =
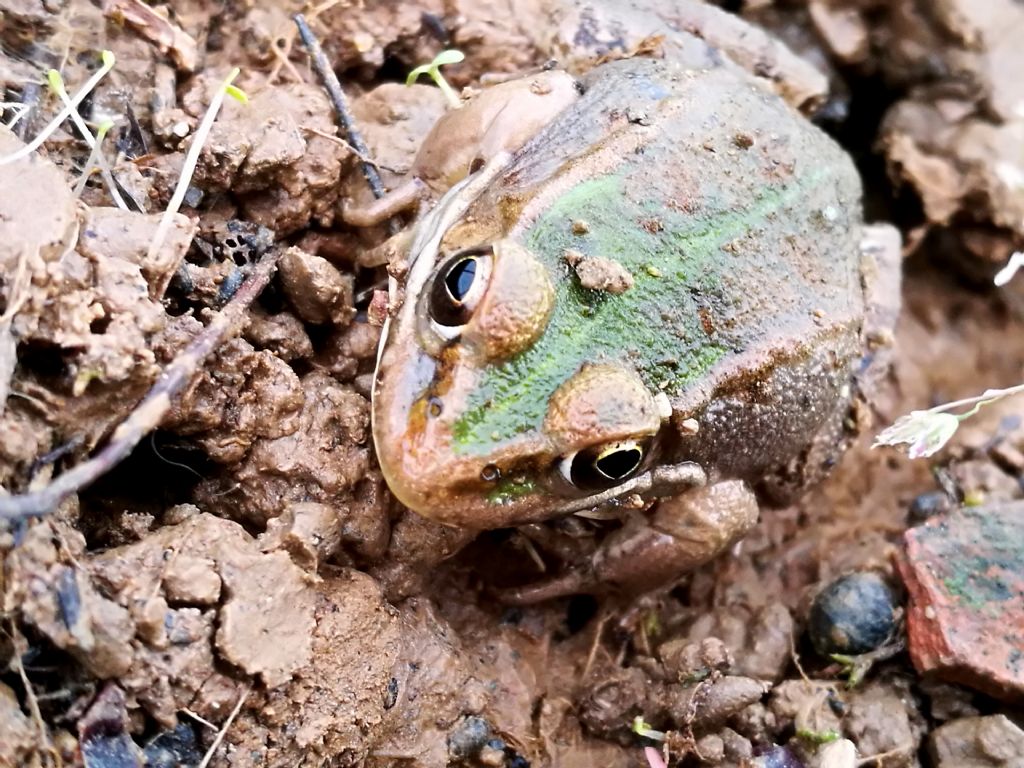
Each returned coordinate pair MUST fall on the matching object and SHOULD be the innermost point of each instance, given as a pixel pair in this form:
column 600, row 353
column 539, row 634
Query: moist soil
column 243, row 591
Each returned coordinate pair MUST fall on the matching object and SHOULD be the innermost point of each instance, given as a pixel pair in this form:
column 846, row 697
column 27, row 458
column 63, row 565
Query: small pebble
column 172, row 748
column 927, row 505
column 776, row 757
column 854, row 614
column 468, row 737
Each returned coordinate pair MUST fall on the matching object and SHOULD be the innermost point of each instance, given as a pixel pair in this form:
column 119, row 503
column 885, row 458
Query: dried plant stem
column 148, row 414
column 224, row 728
column 95, row 143
column 189, row 166
column 338, row 98
column 20, row 649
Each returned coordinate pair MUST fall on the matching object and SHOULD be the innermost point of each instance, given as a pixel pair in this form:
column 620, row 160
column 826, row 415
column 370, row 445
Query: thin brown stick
column 20, row 648
column 325, row 72
column 154, row 406
column 595, row 644
column 901, row 751
column 283, row 62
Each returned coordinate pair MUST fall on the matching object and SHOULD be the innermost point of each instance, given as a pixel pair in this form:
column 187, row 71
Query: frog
column 658, row 308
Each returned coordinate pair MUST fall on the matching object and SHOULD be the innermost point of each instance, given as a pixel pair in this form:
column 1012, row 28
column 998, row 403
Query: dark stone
column 852, row 615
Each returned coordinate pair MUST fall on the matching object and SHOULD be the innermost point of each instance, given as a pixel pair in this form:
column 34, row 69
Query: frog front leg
column 678, row 535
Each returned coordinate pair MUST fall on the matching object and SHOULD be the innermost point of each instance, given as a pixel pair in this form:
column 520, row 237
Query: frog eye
column 458, row 286
column 603, row 466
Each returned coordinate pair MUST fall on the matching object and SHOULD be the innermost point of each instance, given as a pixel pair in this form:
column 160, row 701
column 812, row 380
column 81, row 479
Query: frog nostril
column 434, row 407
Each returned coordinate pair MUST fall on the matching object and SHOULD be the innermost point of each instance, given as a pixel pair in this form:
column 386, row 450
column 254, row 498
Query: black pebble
column 928, row 505
column 468, row 737
column 776, row 757
column 852, row 615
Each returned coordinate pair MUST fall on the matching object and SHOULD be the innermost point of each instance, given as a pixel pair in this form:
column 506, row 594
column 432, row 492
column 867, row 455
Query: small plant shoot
column 70, row 108
column 95, row 143
column 433, row 70
column 192, row 157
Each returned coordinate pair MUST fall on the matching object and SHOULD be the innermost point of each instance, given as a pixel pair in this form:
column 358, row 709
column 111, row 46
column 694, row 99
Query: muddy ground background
column 247, row 561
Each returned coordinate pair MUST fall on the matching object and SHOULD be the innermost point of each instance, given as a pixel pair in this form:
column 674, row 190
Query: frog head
column 528, row 458
column 509, row 389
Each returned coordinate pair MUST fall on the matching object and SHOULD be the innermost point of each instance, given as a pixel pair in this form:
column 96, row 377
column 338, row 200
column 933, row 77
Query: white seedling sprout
column 64, row 114
column 96, row 158
column 653, row 756
column 192, row 158
column 641, row 728
column 925, row 432
column 1006, row 273
column 433, row 70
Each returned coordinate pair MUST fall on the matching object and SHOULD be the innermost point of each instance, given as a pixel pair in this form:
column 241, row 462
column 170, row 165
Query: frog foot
column 681, row 533
column 402, row 198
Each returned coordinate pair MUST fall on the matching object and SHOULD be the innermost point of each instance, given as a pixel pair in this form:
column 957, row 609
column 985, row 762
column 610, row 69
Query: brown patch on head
column 516, row 307
column 601, row 402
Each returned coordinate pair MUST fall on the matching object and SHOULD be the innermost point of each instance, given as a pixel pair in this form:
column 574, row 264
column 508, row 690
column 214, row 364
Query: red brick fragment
column 964, row 572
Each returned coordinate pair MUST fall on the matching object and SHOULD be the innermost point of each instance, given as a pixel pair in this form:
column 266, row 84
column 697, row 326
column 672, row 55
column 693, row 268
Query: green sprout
column 433, row 69
column 817, row 737
column 854, row 668
column 642, row 728
column 96, row 157
column 652, row 624
column 70, row 107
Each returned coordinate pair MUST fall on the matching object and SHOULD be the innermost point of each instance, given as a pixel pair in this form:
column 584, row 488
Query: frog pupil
column 460, row 278
column 601, row 467
column 619, row 464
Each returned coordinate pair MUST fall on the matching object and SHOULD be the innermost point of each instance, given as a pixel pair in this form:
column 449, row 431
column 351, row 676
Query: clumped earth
column 243, row 586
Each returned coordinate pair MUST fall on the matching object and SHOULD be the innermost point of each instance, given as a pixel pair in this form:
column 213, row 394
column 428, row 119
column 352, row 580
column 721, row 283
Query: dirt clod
column 977, row 742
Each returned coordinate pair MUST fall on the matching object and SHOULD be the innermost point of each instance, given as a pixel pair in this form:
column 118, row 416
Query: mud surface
column 244, row 586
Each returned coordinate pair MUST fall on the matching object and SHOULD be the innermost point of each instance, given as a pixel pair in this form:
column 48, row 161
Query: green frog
column 656, row 308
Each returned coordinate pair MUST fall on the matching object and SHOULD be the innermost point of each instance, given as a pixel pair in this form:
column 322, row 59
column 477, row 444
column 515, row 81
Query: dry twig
column 338, row 98
column 20, row 649
column 224, row 728
column 148, row 414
